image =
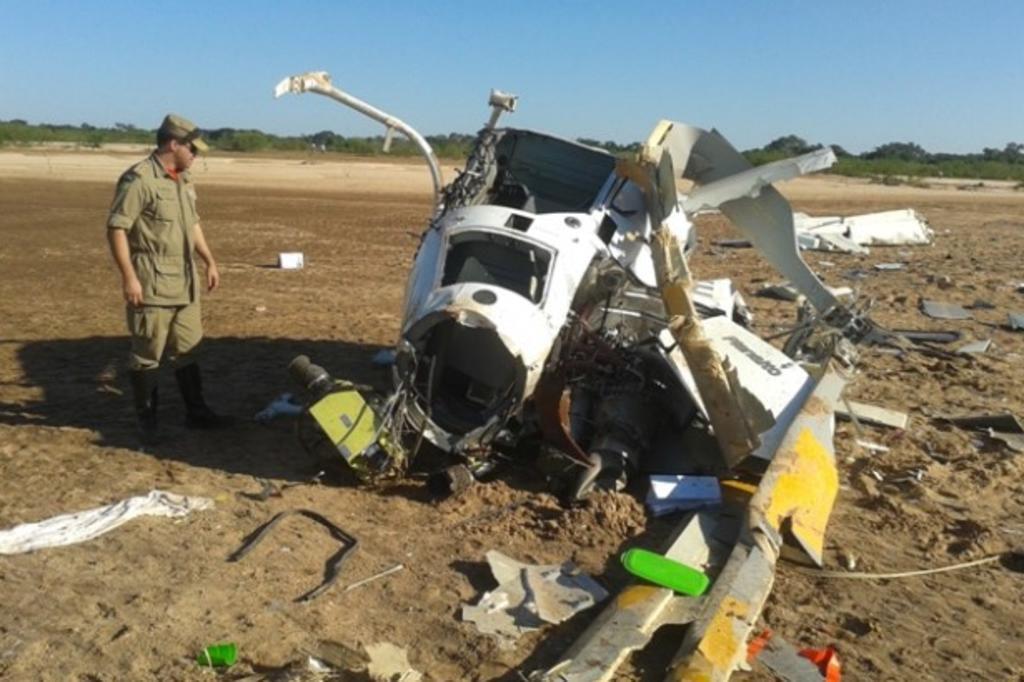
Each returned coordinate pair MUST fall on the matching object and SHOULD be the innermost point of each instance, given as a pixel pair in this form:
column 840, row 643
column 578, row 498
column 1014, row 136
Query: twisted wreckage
column 550, row 299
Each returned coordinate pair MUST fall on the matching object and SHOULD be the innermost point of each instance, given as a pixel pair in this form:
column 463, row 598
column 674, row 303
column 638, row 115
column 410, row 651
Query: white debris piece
column 828, row 242
column 872, row 414
column 717, row 297
column 670, row 493
column 850, row 234
column 889, row 228
column 529, row 595
column 69, row 529
column 292, row 260
column 774, row 386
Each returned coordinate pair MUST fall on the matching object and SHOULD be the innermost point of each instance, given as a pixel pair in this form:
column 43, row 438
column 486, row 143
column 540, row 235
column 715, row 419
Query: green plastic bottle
column 666, row 572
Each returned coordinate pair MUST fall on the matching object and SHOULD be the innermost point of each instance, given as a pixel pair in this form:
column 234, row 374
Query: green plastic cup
column 666, row 572
column 218, row 655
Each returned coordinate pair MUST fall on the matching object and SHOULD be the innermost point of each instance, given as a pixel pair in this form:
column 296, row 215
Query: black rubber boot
column 146, row 394
column 197, row 414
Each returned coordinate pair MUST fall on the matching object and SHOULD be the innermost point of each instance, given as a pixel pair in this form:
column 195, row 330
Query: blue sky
column 947, row 75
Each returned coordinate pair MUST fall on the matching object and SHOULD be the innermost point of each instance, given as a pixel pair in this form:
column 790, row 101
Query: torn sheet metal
column 1014, row 441
column 944, row 311
column 890, row 228
column 749, row 183
column 69, row 529
column 724, row 178
column 902, row 227
column 717, row 297
column 795, row 496
column 793, row 503
column 528, row 596
column 629, row 621
column 1005, row 427
column 1004, row 421
column 801, row 483
column 771, row 387
column 872, row 414
column 785, row 661
column 829, row 242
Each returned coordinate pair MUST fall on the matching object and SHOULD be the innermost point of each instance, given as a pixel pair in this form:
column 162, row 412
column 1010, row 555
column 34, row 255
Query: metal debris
column 888, row 228
column 1014, row 441
column 678, row 493
column 783, row 659
column 829, row 242
column 555, row 275
column 1015, row 321
column 1003, row 427
column 332, row 568
column 927, row 336
column 975, row 347
column 780, row 292
column 889, row 267
column 718, row 297
column 944, row 311
column 871, row 447
column 528, row 596
column 872, row 414
column 376, row 576
column 1003, row 421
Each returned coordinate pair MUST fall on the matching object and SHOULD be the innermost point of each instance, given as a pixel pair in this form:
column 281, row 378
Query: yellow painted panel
column 716, row 652
column 804, row 491
column 637, row 594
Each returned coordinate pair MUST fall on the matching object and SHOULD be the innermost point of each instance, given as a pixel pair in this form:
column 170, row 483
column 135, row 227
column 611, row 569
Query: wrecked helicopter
column 550, row 294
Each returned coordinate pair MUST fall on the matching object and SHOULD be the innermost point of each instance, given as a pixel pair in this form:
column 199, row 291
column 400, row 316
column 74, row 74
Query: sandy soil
column 138, row 603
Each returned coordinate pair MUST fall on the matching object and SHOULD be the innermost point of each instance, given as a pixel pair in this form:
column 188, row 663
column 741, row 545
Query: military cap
column 180, row 128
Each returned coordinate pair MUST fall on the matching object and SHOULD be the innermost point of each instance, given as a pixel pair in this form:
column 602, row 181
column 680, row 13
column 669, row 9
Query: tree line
column 905, row 160
column 890, row 161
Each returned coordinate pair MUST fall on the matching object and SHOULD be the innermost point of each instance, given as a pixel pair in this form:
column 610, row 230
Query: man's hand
column 133, row 291
column 212, row 276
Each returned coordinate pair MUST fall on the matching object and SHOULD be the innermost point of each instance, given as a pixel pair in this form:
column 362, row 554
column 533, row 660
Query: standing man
column 153, row 230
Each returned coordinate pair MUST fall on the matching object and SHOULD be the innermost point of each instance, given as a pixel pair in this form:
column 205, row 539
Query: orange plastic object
column 757, row 644
column 827, row 661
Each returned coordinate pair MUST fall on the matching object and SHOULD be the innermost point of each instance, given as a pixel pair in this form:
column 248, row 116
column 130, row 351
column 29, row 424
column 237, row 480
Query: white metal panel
column 778, row 383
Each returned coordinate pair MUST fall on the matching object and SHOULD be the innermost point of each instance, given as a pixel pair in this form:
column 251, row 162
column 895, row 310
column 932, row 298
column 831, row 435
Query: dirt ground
column 139, row 602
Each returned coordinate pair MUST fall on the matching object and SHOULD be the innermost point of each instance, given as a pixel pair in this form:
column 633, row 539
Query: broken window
column 487, row 258
column 543, row 174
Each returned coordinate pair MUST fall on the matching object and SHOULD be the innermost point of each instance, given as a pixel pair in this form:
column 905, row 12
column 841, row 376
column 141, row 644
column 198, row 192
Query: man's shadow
column 84, row 384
